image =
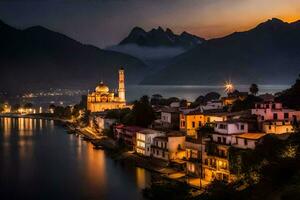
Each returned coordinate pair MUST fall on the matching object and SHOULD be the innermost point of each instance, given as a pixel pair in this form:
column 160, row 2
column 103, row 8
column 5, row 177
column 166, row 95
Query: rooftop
column 252, row 136
column 150, row 131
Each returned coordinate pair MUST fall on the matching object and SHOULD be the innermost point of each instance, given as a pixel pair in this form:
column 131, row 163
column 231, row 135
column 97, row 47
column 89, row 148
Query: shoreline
column 110, row 146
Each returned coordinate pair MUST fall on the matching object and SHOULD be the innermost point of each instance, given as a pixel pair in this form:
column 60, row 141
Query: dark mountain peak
column 137, row 30
column 35, row 52
column 158, row 37
column 184, row 33
column 245, row 57
column 169, row 31
column 160, row 29
column 272, row 24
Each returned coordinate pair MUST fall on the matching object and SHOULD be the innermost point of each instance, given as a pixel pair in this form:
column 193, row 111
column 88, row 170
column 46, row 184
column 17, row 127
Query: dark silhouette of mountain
column 38, row 58
column 266, row 54
column 158, row 37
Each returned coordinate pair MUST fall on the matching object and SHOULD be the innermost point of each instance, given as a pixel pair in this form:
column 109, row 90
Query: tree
column 291, row 96
column 156, row 99
column 254, row 89
column 248, row 103
column 211, row 96
column 142, row 112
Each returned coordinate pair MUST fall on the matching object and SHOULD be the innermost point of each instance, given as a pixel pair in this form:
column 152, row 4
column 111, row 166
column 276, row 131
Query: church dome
column 102, row 88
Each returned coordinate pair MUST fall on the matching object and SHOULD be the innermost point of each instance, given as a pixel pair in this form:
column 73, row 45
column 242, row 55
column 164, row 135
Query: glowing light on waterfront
column 229, row 87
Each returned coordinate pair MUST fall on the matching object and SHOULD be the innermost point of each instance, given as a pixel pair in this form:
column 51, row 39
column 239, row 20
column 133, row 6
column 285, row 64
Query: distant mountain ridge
column 159, row 37
column 266, row 54
column 37, row 58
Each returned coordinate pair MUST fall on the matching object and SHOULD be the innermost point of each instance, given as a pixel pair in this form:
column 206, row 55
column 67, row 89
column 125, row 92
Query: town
column 195, row 143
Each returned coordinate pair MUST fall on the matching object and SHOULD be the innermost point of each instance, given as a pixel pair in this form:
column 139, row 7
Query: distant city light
column 229, row 87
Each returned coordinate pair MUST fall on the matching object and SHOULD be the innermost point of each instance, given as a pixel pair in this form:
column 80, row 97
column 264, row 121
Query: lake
column 134, row 92
column 39, row 160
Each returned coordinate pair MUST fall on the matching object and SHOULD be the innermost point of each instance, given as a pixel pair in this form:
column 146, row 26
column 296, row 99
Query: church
column 102, row 99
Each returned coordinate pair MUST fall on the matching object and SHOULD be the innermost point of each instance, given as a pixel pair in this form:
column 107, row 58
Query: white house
column 170, row 118
column 144, row 139
column 226, row 131
column 169, row 147
column 248, row 140
column 212, row 105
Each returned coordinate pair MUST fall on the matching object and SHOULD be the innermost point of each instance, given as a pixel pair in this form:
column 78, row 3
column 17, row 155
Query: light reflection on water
column 38, row 160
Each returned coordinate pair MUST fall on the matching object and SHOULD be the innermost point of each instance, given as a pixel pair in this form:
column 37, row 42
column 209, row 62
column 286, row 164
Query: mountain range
column 158, row 37
column 156, row 47
column 266, row 54
column 37, row 58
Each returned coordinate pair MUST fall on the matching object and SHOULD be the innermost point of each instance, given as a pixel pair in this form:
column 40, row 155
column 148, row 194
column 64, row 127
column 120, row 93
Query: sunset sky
column 103, row 23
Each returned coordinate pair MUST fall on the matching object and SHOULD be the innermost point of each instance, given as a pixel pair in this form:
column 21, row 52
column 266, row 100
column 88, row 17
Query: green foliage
column 253, row 89
column 76, row 110
column 142, row 113
column 265, row 172
column 248, row 103
column 119, row 114
column 205, row 130
column 158, row 100
column 201, row 100
column 63, row 112
column 84, row 120
column 211, row 96
column 291, row 97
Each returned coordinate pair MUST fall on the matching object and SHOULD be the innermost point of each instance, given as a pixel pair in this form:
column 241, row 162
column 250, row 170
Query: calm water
column 38, row 160
column 191, row 92
column 134, row 92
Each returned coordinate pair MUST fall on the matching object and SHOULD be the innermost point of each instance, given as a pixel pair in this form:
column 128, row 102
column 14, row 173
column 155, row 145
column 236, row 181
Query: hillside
column 266, row 54
column 38, row 58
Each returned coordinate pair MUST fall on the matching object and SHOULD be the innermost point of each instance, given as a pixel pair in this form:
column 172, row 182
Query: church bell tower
column 121, row 89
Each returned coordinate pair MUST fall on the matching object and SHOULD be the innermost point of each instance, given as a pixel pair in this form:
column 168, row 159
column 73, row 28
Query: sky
column 106, row 22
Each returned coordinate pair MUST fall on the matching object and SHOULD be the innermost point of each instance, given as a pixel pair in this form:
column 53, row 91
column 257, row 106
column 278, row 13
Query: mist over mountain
column 157, row 46
column 38, row 58
column 266, row 54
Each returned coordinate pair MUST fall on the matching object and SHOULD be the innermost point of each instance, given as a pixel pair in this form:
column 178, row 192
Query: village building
column 248, row 140
column 274, row 111
column 277, row 127
column 127, row 134
column 170, row 118
column 102, row 99
column 168, row 147
column 190, row 122
column 231, row 133
column 193, row 148
column 100, row 122
column 144, row 140
column 212, row 105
